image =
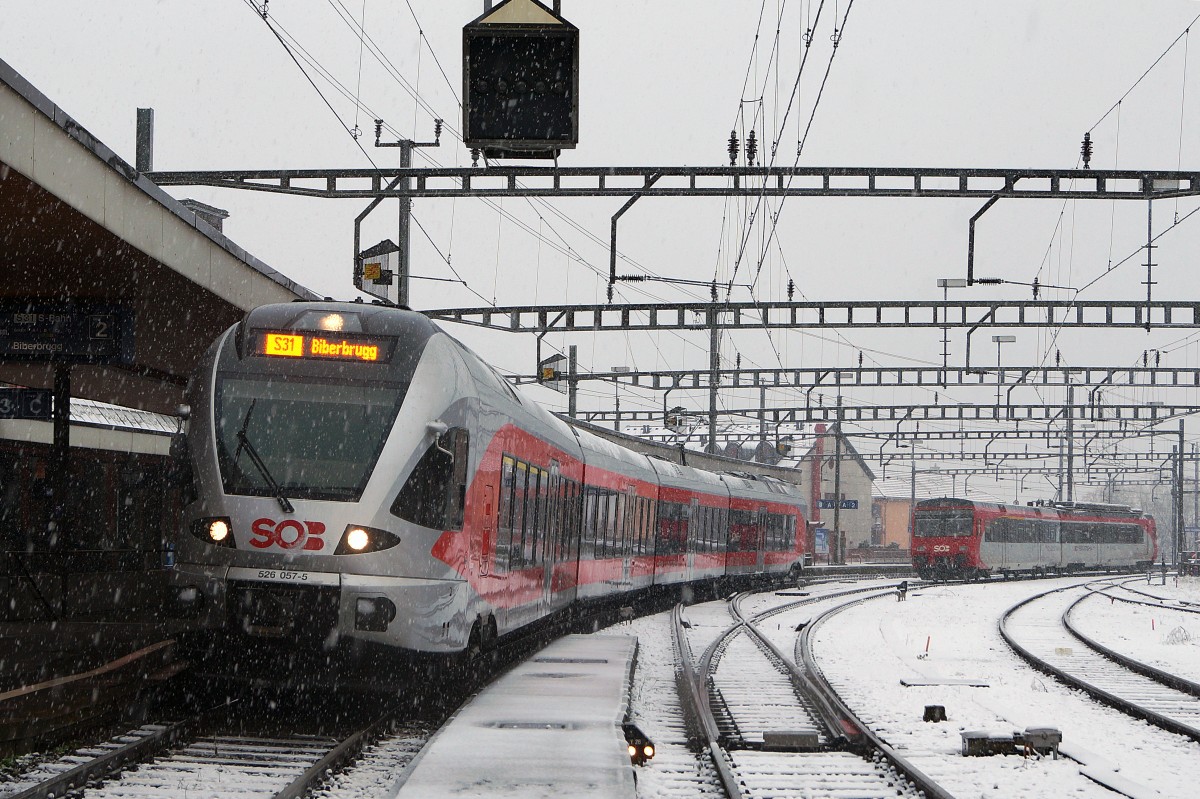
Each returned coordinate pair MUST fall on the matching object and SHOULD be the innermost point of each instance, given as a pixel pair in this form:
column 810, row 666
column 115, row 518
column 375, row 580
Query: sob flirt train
column 361, row 479
column 959, row 538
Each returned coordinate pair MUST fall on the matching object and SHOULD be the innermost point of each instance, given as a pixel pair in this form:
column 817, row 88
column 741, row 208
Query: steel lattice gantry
column 919, row 413
column 827, row 315
column 889, row 377
column 1046, row 434
column 683, row 181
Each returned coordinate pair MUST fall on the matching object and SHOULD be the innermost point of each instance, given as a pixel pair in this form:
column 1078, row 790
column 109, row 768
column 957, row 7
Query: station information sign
column 66, row 332
column 25, row 403
column 324, row 346
column 831, row 504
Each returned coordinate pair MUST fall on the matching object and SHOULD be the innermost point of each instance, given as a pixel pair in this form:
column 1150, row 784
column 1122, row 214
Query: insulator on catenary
column 751, row 148
column 378, row 129
column 1085, row 151
column 1036, row 288
column 791, row 289
column 733, row 149
column 714, row 291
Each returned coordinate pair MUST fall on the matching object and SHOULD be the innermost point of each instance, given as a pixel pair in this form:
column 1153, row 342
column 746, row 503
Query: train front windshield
column 313, row 440
column 942, row 523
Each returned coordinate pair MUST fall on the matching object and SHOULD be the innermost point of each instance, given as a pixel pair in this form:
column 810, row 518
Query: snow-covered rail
column 1037, row 629
column 170, row 760
column 765, row 727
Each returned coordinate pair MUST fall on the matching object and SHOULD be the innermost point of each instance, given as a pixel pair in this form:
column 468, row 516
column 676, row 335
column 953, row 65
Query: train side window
column 601, row 523
column 588, row 522
column 434, row 492
column 537, row 479
column 577, row 516
column 504, row 524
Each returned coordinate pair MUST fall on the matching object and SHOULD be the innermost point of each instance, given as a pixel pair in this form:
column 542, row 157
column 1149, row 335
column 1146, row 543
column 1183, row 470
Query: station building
column 82, row 513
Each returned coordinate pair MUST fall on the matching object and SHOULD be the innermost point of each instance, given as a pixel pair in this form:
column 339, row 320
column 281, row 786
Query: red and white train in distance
column 959, row 538
column 363, row 481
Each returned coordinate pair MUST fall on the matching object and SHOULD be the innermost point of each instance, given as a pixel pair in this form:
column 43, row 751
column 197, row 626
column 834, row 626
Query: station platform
column 550, row 727
column 81, row 655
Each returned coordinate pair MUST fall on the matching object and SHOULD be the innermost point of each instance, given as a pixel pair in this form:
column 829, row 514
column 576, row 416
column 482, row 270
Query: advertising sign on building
column 821, row 540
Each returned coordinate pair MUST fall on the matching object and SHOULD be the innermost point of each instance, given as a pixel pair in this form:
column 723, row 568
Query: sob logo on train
column 287, row 534
column 941, row 548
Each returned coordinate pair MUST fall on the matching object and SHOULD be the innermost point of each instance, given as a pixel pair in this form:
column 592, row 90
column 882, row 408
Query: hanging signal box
column 521, row 82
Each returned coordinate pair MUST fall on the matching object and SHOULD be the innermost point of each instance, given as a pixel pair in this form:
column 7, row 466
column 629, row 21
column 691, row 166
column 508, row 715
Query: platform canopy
column 80, row 225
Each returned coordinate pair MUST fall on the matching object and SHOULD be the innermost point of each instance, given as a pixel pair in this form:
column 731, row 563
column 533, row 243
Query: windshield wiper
column 256, row 459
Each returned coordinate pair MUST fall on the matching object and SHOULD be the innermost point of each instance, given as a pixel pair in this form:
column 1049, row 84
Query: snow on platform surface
column 551, row 727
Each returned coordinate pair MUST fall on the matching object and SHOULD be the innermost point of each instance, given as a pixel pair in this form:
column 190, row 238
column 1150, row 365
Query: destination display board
column 324, row 346
column 66, row 332
column 25, row 403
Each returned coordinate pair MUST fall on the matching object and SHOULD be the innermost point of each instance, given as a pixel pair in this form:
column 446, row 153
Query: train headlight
column 214, row 530
column 218, row 529
column 358, row 539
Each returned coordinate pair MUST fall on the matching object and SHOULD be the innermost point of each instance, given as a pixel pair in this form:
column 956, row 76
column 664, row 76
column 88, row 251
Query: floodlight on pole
column 1000, row 340
column 616, row 370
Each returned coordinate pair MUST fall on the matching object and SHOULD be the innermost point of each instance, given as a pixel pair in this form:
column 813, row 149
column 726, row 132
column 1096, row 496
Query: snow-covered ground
column 948, row 634
column 940, row 634
column 1164, row 637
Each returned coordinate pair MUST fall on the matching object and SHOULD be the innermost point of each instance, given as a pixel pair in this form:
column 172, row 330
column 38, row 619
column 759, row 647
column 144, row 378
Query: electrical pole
column 714, row 367
column 403, row 269
column 1070, row 496
column 403, row 233
column 838, row 542
column 1179, row 496
column 572, row 381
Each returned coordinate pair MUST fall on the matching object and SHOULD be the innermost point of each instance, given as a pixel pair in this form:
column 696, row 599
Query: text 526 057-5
column 272, row 574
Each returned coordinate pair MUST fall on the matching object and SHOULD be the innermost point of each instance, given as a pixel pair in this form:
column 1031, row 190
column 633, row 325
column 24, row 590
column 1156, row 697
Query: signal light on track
column 640, row 748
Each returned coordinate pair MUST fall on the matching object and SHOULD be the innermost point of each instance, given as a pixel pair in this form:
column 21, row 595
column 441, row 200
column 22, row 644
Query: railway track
column 770, row 729
column 1040, row 631
column 181, row 758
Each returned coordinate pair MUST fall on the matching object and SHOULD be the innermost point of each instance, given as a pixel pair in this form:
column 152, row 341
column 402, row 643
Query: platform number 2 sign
column 100, row 327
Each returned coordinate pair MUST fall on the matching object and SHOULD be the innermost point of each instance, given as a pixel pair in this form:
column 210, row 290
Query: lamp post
column 945, row 284
column 1000, row 340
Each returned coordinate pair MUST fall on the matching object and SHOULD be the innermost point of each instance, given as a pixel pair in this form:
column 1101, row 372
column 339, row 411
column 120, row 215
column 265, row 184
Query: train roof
column 1062, row 508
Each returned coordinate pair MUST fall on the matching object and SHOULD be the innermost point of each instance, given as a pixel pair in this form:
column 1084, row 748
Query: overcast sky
column 950, row 84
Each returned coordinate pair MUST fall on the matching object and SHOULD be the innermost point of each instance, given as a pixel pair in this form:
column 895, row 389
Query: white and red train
column 959, row 538
column 363, row 478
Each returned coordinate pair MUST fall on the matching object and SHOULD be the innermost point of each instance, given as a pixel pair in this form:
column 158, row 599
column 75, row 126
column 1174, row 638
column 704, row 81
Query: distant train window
column 434, row 493
column 942, row 523
column 672, row 528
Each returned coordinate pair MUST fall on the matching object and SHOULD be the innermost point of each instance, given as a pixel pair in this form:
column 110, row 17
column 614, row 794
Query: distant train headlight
column 214, row 530
column 358, row 539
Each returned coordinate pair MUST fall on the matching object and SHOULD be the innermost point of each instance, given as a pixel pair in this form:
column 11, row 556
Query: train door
column 550, row 522
column 695, row 525
column 483, row 543
column 760, row 537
